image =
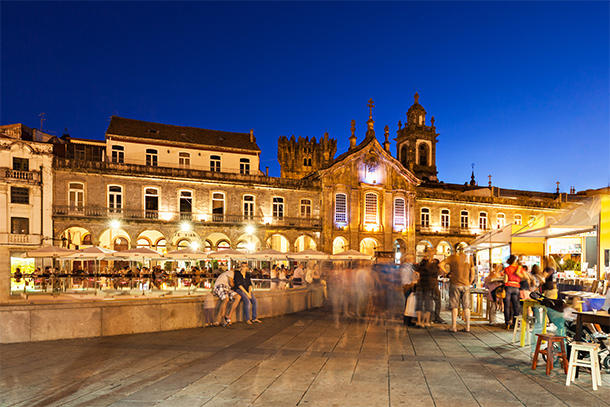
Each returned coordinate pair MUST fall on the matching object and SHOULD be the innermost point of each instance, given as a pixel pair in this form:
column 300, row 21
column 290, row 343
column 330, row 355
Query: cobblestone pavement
column 304, row 359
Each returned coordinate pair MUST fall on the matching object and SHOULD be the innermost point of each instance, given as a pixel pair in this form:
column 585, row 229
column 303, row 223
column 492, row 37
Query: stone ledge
column 40, row 322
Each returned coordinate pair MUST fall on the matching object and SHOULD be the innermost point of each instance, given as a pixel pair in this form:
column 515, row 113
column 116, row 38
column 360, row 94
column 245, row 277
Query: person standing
column 428, row 280
column 461, row 276
column 512, row 283
column 407, row 280
column 243, row 286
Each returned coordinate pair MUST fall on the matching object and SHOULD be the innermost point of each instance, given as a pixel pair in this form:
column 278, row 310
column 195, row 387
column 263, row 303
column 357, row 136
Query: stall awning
column 583, row 218
column 491, row 239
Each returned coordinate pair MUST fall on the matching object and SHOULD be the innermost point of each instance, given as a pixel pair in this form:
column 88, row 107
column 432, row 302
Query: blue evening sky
column 520, row 89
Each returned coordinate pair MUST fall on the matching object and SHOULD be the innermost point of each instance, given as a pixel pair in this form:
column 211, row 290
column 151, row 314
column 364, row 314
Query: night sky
column 520, row 89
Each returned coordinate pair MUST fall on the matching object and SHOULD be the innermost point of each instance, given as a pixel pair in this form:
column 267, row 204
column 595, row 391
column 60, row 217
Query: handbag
column 500, row 292
column 410, row 307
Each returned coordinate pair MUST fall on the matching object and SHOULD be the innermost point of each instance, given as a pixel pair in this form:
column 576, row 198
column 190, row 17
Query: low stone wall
column 42, row 322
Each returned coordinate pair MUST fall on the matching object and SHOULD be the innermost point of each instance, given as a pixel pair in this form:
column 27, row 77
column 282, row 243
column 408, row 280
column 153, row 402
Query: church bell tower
column 416, row 143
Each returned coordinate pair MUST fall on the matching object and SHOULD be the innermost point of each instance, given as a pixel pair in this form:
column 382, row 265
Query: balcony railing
column 17, row 239
column 152, row 215
column 27, row 176
column 454, row 230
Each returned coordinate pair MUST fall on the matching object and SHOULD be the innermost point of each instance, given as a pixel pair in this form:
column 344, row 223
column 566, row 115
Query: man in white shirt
column 222, row 289
column 297, row 279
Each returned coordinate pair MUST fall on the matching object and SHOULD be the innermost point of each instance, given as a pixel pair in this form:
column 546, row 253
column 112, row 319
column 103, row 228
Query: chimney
column 252, row 138
column 267, row 171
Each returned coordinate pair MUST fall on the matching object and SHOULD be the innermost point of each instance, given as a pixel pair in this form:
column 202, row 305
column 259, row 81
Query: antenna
column 41, row 119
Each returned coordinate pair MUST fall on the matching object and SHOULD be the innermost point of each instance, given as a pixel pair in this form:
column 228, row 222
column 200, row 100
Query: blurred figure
column 428, row 280
column 549, row 288
column 408, row 278
column 461, row 276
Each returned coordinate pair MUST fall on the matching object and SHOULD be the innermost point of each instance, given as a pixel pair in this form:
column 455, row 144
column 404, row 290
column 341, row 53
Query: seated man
column 223, row 290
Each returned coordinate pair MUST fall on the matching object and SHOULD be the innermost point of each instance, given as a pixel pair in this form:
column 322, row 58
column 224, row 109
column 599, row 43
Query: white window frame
column 445, row 218
column 278, row 207
column 76, row 194
column 244, row 166
column 115, row 205
column 248, row 206
column 371, row 208
column 341, row 208
column 184, row 159
column 483, row 218
column 464, row 219
column 147, row 192
column 152, row 157
column 424, row 217
column 118, row 154
column 215, row 163
column 305, row 208
column 500, row 220
column 518, row 219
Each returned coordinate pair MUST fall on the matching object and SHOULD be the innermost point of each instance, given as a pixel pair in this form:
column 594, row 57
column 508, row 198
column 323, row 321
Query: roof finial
column 371, row 106
column 489, row 176
column 472, row 181
column 416, row 98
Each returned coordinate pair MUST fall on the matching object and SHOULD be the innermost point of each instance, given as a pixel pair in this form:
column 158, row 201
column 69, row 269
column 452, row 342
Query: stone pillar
column 5, row 275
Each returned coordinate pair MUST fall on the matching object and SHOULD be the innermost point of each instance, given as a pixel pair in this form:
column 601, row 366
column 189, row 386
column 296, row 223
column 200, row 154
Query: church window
column 341, row 208
column 425, row 217
column 399, row 213
column 445, row 218
column 421, row 120
column 464, row 219
column 423, row 154
column 483, row 221
column 370, row 208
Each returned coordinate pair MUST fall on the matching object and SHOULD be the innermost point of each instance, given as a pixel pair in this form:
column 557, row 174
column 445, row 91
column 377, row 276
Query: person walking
column 407, row 280
column 461, row 276
column 243, row 286
column 428, row 280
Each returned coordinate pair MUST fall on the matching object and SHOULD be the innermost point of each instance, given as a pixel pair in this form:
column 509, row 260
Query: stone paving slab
column 303, row 359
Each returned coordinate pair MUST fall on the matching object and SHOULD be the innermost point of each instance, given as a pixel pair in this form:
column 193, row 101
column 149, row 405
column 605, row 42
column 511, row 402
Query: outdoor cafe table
column 600, row 317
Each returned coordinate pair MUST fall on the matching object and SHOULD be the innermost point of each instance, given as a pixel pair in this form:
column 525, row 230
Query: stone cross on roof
column 371, row 106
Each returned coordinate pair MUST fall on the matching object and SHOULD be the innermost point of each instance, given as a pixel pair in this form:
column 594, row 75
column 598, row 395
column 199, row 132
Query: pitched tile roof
column 121, row 126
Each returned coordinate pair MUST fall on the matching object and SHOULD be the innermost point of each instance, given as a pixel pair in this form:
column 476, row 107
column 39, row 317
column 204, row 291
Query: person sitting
column 223, row 290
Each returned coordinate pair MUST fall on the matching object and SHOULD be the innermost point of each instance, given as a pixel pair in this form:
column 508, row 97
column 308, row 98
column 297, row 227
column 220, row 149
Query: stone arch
column 217, row 237
column 248, row 242
column 420, row 247
column 340, row 244
column 424, row 152
column 109, row 236
column 74, row 236
column 460, row 246
column 304, row 242
column 444, row 248
column 369, row 245
column 279, row 242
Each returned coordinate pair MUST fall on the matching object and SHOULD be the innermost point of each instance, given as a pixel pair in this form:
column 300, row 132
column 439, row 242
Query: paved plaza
column 304, row 359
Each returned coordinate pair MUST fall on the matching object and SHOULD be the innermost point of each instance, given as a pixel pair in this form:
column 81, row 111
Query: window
column 76, row 194
column 278, row 207
column 341, row 208
column 151, row 157
column 115, row 198
column 445, row 218
column 218, row 207
column 184, row 160
column 518, row 220
column 118, row 154
column 248, row 206
column 186, row 204
column 423, row 154
column 79, row 152
column 21, row 164
column 370, row 208
column 215, row 163
column 307, row 162
column 20, row 195
column 399, row 213
column 464, row 219
column 482, row 221
column 500, row 220
column 20, row 226
column 244, row 166
column 305, row 208
column 425, row 217
column 151, row 203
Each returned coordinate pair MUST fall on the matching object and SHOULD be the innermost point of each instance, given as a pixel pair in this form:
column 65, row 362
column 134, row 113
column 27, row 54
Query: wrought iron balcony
column 92, row 212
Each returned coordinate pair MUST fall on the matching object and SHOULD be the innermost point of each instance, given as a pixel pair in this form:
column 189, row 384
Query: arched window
column 341, row 208
column 399, row 214
column 483, row 221
column 86, row 240
column 183, row 244
column 143, row 243
column 425, row 217
column 518, row 219
column 445, row 218
column 218, row 206
column 403, row 155
column 423, row 154
column 186, row 205
column 370, row 208
column 161, row 245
